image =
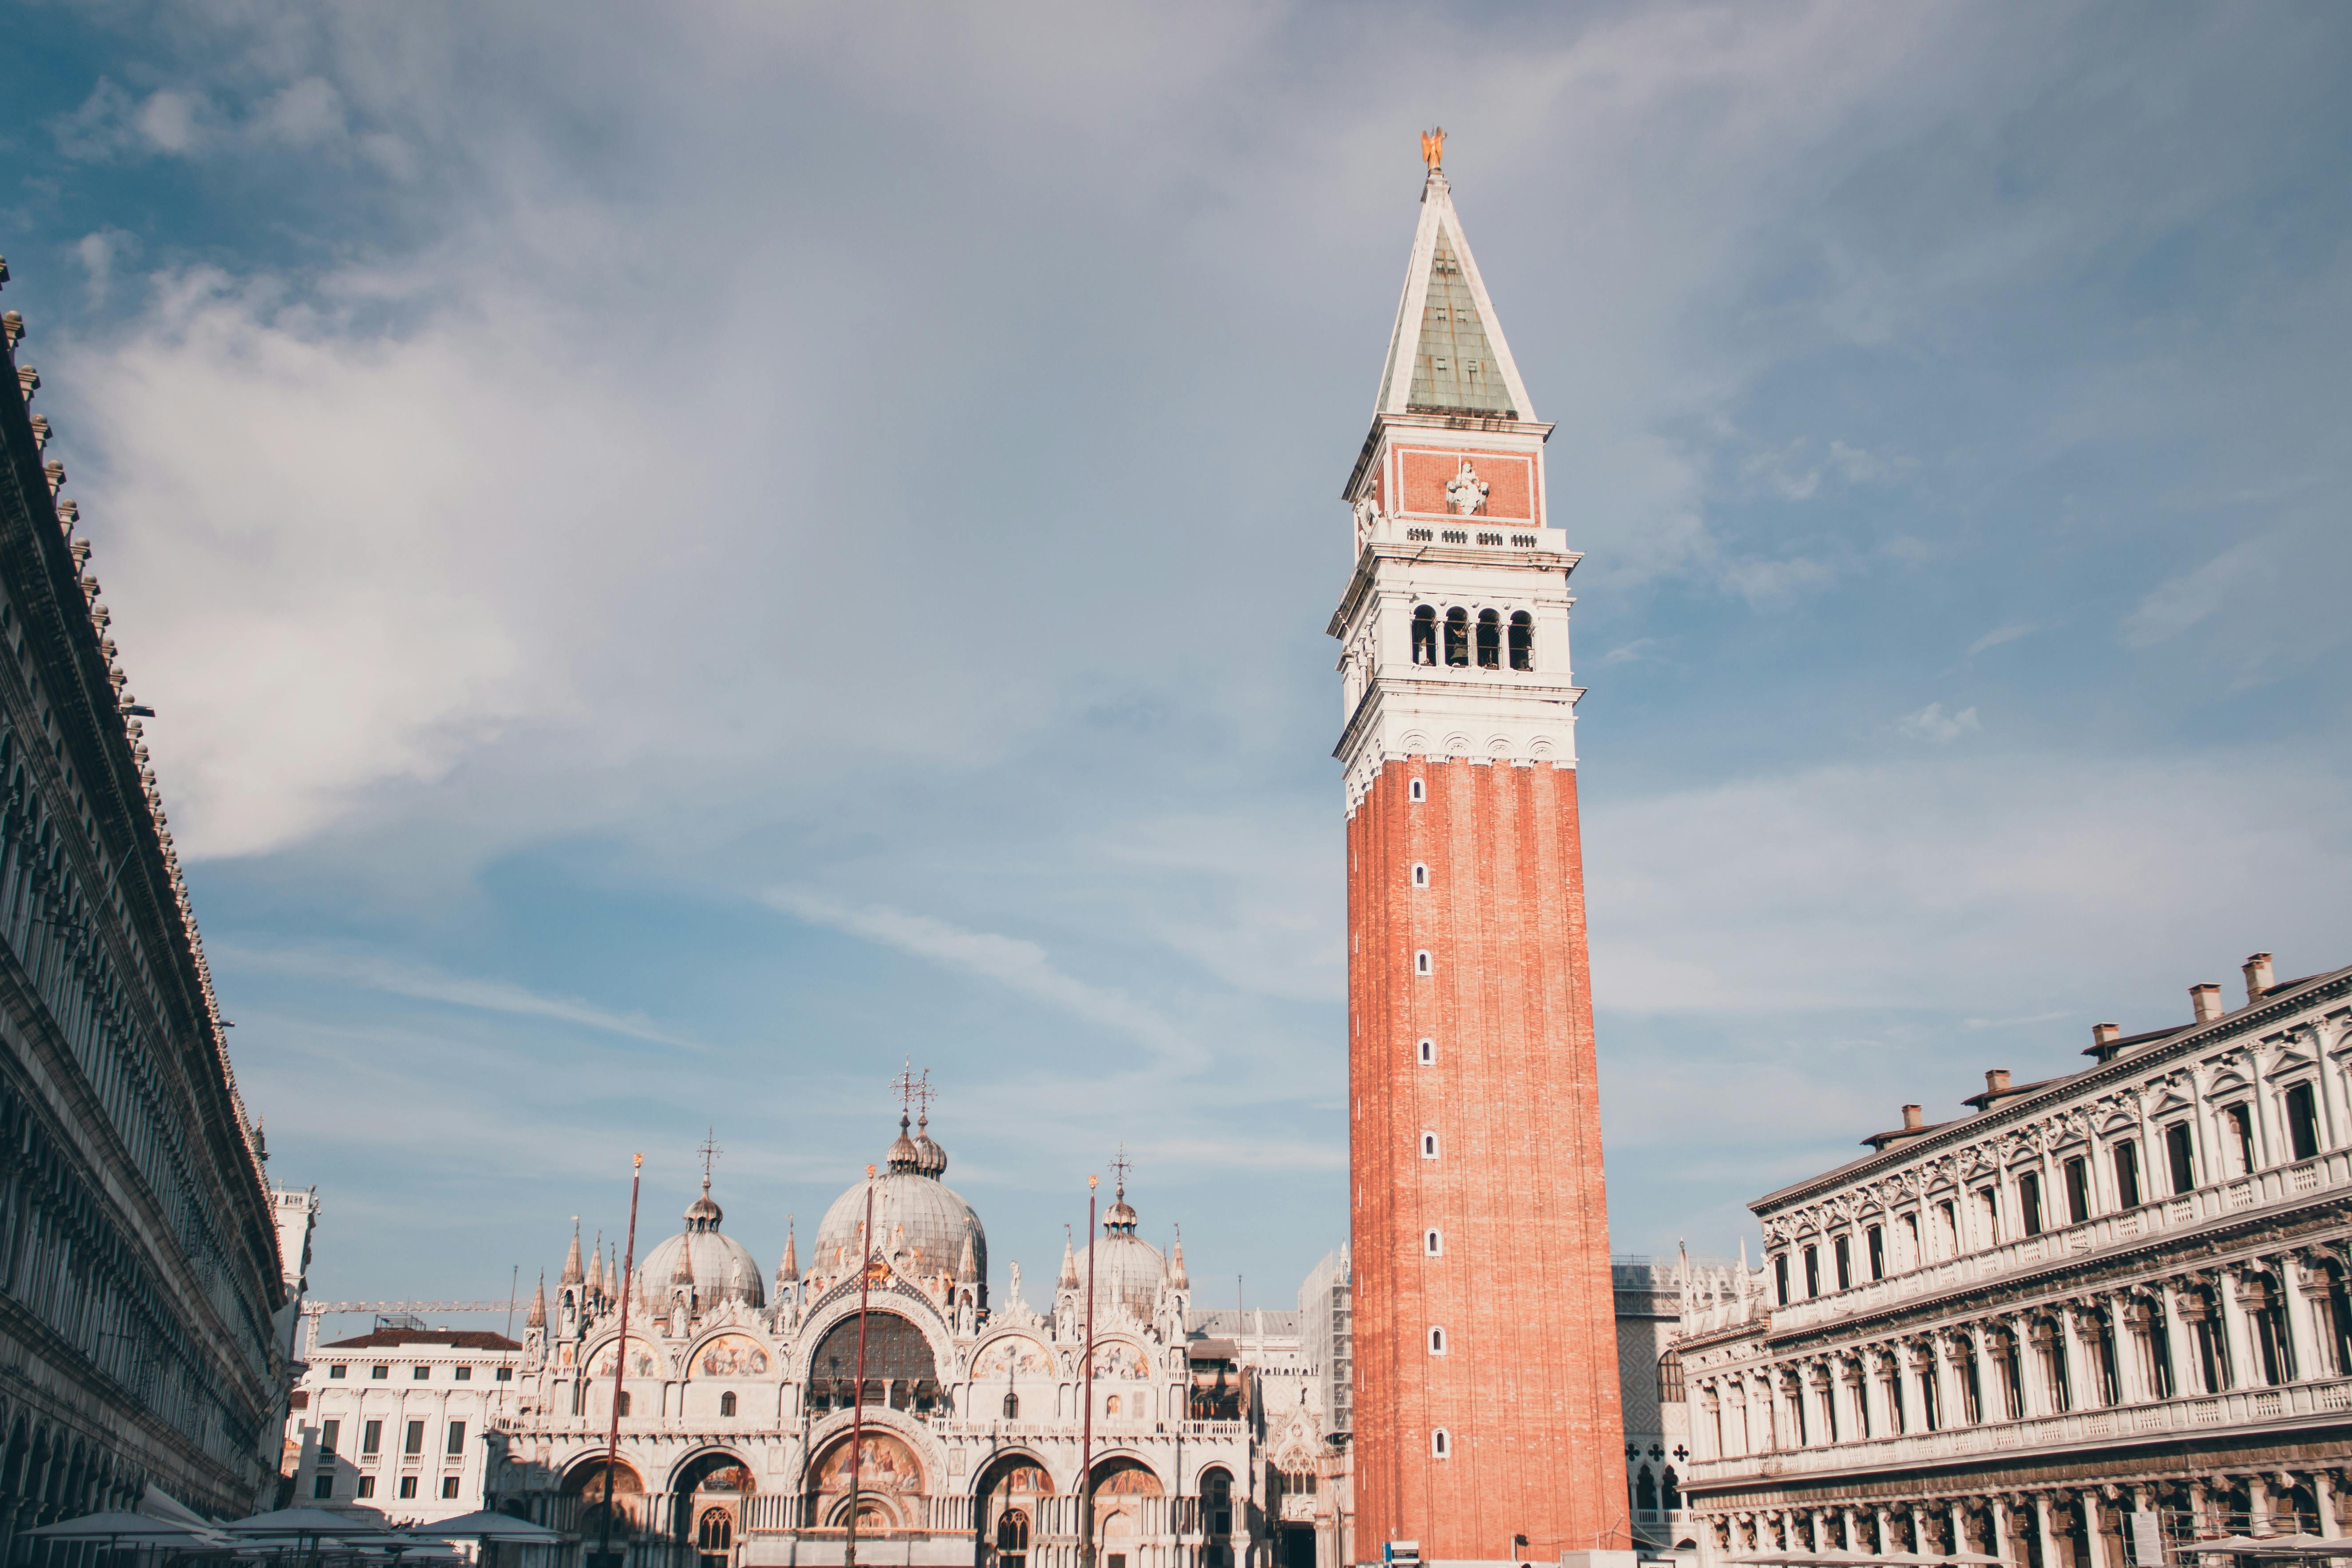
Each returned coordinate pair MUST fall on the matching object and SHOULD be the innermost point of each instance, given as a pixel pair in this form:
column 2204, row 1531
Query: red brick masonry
column 1527, row 1388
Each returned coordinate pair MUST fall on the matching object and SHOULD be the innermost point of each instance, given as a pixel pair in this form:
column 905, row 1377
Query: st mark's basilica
column 738, row 1395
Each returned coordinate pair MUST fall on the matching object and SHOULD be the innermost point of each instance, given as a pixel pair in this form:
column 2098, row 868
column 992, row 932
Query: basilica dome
column 913, row 1210
column 1129, row 1269
column 718, row 1266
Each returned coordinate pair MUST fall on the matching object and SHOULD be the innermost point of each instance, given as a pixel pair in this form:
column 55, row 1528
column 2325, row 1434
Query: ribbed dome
column 1130, row 1269
column 910, row 1208
column 720, row 1266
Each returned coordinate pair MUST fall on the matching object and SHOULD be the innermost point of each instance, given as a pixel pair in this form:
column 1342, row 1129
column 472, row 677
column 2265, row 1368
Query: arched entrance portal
column 889, row 1485
column 584, row 1501
column 709, row 1491
column 1006, row 1512
column 1124, row 1511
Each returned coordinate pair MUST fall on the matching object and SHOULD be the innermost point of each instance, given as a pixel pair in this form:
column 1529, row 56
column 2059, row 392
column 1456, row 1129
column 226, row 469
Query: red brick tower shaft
column 1486, row 1420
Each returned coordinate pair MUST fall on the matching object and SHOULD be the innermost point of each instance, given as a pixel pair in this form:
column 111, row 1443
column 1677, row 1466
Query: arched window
column 1441, row 1446
column 1416, row 791
column 1217, row 1503
column 727, row 1403
column 1013, row 1537
column 1645, row 1491
column 624, row 1403
column 1425, row 637
column 1429, row 1053
column 1012, row 1407
column 1420, row 875
column 1436, row 1341
column 1523, row 640
column 1421, row 964
column 1457, row 638
column 714, row 1533
column 1110, row 1406
column 1429, row 1146
column 1670, row 1491
column 1433, row 1243
column 900, row 1371
column 1490, row 640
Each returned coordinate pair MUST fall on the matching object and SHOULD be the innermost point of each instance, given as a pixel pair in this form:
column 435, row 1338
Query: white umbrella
column 117, row 1525
column 485, row 1524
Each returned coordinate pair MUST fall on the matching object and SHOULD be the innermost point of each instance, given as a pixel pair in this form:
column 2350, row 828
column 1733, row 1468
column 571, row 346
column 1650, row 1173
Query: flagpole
column 620, row 1365
column 858, row 1399
column 1087, row 1437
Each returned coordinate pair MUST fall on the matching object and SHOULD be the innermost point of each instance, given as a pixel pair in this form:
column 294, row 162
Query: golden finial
column 1433, row 147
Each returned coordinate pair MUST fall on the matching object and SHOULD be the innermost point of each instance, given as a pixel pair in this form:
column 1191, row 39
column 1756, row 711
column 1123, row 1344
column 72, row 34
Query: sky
column 687, row 563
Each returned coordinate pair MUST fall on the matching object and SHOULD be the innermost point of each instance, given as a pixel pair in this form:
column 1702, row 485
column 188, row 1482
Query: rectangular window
column 457, row 1438
column 1951, row 1228
column 1780, row 1277
column 2241, row 1122
column 419, row 1373
column 379, row 1373
column 448, row 1486
column 1844, row 1264
column 506, row 1374
column 367, row 1485
column 1813, row 1271
column 335, row 1371
column 463, row 1373
column 1875, row 1239
column 2128, row 1174
column 1989, row 1200
column 2078, row 1191
column 2180, row 1152
column 2301, row 1121
column 408, row 1486
column 416, row 1444
column 1972, row 1389
column 371, row 1439
column 324, row 1486
column 1929, row 1416
column 330, row 1432
column 2029, row 1202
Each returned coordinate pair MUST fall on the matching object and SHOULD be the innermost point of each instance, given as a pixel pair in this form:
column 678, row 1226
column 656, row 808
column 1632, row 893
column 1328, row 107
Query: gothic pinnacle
column 571, row 1274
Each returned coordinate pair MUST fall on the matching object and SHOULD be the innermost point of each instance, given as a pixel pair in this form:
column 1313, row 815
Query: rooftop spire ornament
column 1433, row 147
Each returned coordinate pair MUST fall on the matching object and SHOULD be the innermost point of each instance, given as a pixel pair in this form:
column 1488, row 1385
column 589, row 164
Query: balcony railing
column 2126, row 1227
column 2237, row 1408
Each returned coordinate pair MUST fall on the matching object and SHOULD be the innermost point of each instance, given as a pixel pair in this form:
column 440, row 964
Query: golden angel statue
column 1433, row 146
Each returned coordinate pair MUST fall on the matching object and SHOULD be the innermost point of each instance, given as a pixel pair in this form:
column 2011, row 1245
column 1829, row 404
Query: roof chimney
column 2104, row 1034
column 2258, row 976
column 1910, row 1119
column 1996, row 1080
column 2205, row 1002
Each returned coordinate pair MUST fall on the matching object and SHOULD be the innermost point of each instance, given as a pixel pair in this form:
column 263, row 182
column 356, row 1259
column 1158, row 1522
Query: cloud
column 98, row 252
column 112, row 124
column 1997, row 635
column 403, row 978
column 1010, row 961
column 1930, row 724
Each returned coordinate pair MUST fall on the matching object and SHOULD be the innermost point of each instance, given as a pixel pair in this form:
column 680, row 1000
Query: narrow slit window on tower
column 1457, row 638
column 1432, row 1244
column 1523, row 640
column 1436, row 1341
column 1490, row 640
column 1416, row 791
column 1421, row 963
column 1441, row 1446
column 1424, row 636
column 1429, row 1146
column 1428, row 1050
column 1420, row 875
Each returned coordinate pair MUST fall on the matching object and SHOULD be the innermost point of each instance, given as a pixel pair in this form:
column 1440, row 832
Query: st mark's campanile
column 1487, row 1417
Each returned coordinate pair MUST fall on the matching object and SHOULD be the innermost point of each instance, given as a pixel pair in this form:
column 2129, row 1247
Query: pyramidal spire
column 1446, row 354
column 968, row 1266
column 1069, row 1280
column 571, row 1259
column 538, row 1318
column 1176, row 1275
column 789, row 1269
column 596, row 1268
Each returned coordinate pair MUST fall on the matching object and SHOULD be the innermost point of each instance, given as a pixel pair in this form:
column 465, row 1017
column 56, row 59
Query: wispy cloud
column 1011, row 962
column 1932, row 725
column 398, row 978
column 1997, row 635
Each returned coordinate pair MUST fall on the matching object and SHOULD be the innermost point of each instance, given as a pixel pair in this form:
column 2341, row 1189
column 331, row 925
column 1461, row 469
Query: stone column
column 1886, row 1530
column 2033, row 1388
column 2131, row 1378
column 2175, row 1332
column 2094, row 1541
column 1999, row 1545
column 2303, row 1342
column 2245, row 1362
column 1951, row 1405
column 2041, row 1501
column 1868, row 1396
column 2323, row 1496
column 1853, row 1536
column 2080, row 1379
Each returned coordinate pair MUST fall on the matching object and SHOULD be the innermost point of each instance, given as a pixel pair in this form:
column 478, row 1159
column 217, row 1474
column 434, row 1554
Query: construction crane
column 314, row 1310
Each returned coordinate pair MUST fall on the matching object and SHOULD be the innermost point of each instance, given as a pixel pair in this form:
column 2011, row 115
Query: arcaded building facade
column 2093, row 1313
column 139, row 1262
column 1477, row 1202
